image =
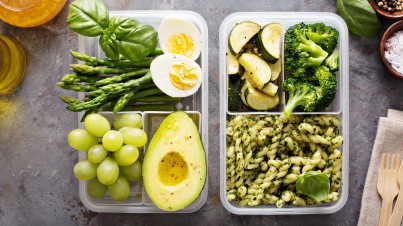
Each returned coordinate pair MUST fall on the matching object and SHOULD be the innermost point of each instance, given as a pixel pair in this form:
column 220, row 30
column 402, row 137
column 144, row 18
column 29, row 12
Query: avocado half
column 174, row 165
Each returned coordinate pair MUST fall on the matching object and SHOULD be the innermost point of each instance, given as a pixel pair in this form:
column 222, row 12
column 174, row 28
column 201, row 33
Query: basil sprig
column 120, row 35
column 360, row 17
column 314, row 184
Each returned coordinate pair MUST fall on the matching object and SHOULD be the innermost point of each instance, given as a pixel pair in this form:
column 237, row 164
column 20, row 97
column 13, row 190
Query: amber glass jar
column 12, row 63
column 29, row 13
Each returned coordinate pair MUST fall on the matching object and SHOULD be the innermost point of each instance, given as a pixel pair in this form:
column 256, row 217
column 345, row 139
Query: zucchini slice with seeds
column 260, row 101
column 258, row 69
column 241, row 34
column 269, row 42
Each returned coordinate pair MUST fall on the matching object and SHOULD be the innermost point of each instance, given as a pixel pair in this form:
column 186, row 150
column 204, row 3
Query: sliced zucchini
column 275, row 69
column 232, row 64
column 260, row 101
column 248, row 78
column 258, row 69
column 270, row 89
column 234, row 86
column 241, row 34
column 244, row 87
column 269, row 42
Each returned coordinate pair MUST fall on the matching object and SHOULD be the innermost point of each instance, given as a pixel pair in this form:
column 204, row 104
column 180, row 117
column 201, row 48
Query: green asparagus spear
column 103, row 98
column 157, row 98
column 123, row 100
column 77, row 87
column 74, row 78
column 94, row 61
column 145, row 95
column 156, row 52
column 121, row 77
column 150, row 107
column 70, row 100
column 101, row 91
column 147, row 92
column 90, row 70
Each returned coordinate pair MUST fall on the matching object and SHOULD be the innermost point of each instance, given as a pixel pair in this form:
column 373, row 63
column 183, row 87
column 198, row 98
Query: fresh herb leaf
column 135, row 40
column 314, row 184
column 88, row 18
column 360, row 17
column 121, row 36
column 110, row 45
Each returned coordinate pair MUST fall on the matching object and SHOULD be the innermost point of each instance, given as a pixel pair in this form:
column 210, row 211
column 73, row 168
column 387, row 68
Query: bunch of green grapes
column 111, row 163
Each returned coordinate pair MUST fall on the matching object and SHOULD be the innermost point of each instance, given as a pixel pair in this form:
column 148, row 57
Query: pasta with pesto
column 266, row 154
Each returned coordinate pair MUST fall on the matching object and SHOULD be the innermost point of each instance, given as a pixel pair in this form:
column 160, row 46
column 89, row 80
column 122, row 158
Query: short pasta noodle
column 265, row 155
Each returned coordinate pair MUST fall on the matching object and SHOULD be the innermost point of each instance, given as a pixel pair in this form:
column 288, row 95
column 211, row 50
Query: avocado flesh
column 174, row 165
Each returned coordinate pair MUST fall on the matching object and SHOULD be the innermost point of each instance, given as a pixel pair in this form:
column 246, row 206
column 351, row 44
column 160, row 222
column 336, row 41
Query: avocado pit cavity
column 172, row 169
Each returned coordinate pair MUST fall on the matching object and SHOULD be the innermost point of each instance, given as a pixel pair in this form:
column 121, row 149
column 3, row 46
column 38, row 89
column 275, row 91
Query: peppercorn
column 390, row 5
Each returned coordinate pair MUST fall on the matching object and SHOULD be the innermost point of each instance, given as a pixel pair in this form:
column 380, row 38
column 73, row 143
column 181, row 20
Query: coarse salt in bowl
column 391, row 49
column 394, row 51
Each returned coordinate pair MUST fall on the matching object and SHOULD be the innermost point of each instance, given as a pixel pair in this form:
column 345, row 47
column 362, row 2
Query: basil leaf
column 360, row 17
column 110, row 45
column 135, row 40
column 88, row 18
column 314, row 184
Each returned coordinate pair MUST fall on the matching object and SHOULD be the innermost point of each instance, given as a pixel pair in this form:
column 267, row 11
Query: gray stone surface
column 37, row 186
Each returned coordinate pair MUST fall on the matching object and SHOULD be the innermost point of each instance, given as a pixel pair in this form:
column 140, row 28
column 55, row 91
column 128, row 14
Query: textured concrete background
column 37, row 186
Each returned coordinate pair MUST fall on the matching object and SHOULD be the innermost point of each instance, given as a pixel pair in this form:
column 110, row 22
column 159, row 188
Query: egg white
column 160, row 68
column 170, row 26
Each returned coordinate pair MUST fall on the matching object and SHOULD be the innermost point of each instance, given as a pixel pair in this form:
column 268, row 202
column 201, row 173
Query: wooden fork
column 387, row 186
column 397, row 213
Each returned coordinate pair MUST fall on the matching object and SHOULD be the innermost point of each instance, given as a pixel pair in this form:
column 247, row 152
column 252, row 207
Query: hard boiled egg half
column 176, row 75
column 180, row 36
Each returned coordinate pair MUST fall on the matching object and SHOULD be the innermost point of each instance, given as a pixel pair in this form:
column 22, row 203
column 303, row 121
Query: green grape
column 134, row 136
column 85, row 170
column 96, row 124
column 120, row 190
column 95, row 189
column 126, row 156
column 132, row 172
column 108, row 171
column 81, row 140
column 112, row 140
column 97, row 153
column 128, row 120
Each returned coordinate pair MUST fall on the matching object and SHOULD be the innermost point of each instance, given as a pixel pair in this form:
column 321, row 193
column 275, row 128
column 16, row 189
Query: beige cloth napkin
column 389, row 139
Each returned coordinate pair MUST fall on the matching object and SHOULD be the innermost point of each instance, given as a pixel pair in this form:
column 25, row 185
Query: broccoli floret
column 300, row 52
column 323, row 35
column 300, row 94
column 332, row 61
column 326, row 91
column 313, row 94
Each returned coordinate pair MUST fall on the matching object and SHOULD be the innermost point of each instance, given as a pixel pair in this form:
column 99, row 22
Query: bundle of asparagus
column 111, row 84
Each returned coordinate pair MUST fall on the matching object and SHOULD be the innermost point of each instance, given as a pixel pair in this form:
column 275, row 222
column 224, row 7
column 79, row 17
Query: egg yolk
column 183, row 76
column 181, row 44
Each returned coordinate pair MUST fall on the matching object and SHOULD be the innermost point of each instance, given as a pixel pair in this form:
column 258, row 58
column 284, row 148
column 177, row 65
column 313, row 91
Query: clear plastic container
column 339, row 107
column 195, row 106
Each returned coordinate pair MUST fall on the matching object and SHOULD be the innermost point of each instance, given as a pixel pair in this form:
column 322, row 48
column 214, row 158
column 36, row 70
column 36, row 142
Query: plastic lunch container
column 195, row 106
column 339, row 107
